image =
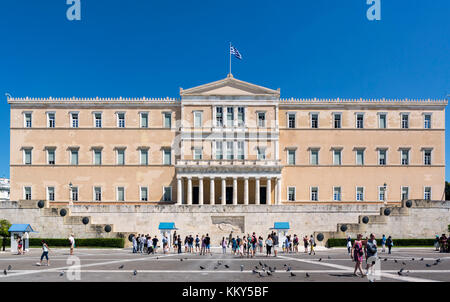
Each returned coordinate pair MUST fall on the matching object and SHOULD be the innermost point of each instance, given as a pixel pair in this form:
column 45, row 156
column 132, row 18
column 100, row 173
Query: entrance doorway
column 195, row 195
column 229, row 195
column 262, row 195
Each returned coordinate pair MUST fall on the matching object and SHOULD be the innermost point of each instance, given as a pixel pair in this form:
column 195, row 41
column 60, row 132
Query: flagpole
column 229, row 51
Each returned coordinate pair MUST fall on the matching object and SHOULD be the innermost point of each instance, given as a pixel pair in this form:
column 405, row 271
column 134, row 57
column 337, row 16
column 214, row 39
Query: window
column 360, row 157
column 197, row 153
column 51, row 156
column 381, row 194
column 314, row 157
column 382, row 157
column 405, row 121
column 337, row 193
column 314, row 194
column 314, row 120
column 240, row 151
column 74, row 193
column 97, row 193
column 167, row 157
column 27, row 193
column 291, row 157
column 167, row 120
column 360, row 121
column 427, row 193
column 144, row 156
column 120, row 194
column 51, row 193
column 230, row 116
column 427, row 157
column 97, row 120
column 261, row 119
column 121, row 156
column 337, row 158
column 405, row 157
column 97, row 156
column 291, row 193
column 382, row 121
column 291, row 120
column 27, row 156
column 230, row 151
column 405, row 193
column 219, row 116
column 144, row 194
column 144, row 119
column 427, row 121
column 198, row 119
column 121, row 120
column 51, row 120
column 167, row 194
column 74, row 157
column 28, row 121
column 219, row 150
column 337, row 120
column 74, row 119
column 359, row 194
column 241, row 116
column 261, row 153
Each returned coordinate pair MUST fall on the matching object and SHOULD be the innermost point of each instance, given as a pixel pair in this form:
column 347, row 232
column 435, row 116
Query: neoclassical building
column 226, row 142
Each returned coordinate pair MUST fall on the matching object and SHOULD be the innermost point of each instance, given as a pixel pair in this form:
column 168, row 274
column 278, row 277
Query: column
column 179, row 191
column 278, row 190
column 212, row 197
column 235, row 191
column 189, row 192
column 269, row 189
column 224, row 191
column 200, row 190
column 246, row 190
column 257, row 201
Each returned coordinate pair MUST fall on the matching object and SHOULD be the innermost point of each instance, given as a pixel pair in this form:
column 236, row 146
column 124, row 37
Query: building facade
column 226, row 142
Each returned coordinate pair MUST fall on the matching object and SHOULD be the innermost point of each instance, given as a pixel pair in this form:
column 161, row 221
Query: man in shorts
column 275, row 243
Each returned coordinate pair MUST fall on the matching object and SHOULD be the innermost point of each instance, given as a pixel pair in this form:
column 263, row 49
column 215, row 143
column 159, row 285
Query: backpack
column 372, row 248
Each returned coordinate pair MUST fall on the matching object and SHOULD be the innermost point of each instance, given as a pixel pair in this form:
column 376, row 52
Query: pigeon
column 438, row 260
column 215, row 267
column 293, row 275
column 261, row 275
column 5, row 272
column 135, row 272
column 307, row 275
column 412, row 259
column 256, row 267
column 421, row 259
column 284, row 265
column 121, row 267
column 157, row 258
column 242, row 268
column 401, row 270
column 400, row 273
column 201, row 267
column 428, row 265
column 9, row 267
column 61, row 274
column 395, row 260
column 270, row 269
column 274, row 269
column 385, row 259
column 436, row 263
column 329, row 257
column 269, row 274
column 288, row 269
column 227, row 266
column 254, row 272
column 181, row 259
column 403, row 263
column 260, row 263
column 320, row 259
column 219, row 263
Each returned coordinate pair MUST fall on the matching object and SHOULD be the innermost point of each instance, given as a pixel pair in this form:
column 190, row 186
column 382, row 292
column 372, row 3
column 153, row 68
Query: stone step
column 373, row 219
column 74, row 219
column 30, row 204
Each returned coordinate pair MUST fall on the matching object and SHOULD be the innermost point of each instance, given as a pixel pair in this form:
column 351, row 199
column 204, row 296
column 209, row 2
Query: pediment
column 230, row 86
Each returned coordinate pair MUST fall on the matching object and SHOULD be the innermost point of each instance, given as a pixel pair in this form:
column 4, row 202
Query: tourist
column 197, row 244
column 389, row 244
column 174, row 242
column 230, row 237
column 370, row 250
column 312, row 242
column 134, row 244
column 349, row 244
column 45, row 250
column 233, row 245
column 72, row 243
column 149, row 245
column 191, row 244
column 260, row 244
column 436, row 243
column 244, row 245
column 155, row 243
column 383, row 243
column 357, row 255
column 207, row 244
column 186, row 244
column 223, row 244
column 305, row 243
column 179, row 244
column 275, row 244
column 295, row 241
column 203, row 249
column 442, row 243
column 142, row 243
column 138, row 243
column 165, row 242
column 269, row 244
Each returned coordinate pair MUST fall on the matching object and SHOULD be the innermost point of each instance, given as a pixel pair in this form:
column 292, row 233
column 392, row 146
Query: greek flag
column 235, row 52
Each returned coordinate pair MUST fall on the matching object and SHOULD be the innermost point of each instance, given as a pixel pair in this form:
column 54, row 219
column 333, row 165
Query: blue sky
column 319, row 48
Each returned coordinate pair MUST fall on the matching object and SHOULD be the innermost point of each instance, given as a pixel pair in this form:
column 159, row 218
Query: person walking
column 371, row 252
column 390, row 244
column 45, row 250
column 260, row 244
column 155, row 243
column 436, row 243
column 275, row 244
column 233, row 245
column 134, row 244
column 179, row 244
column 203, row 249
column 197, row 244
column 312, row 242
column 224, row 245
column 269, row 244
column 349, row 244
column 383, row 243
column 149, row 245
column 230, row 237
column 357, row 255
column 72, row 243
column 305, row 243
column 208, row 244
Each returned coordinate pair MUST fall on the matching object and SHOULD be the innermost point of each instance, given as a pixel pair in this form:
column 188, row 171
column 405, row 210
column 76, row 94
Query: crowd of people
column 441, row 244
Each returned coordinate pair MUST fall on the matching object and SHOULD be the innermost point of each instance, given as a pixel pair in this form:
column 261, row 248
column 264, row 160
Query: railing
column 361, row 100
column 90, row 100
column 219, row 163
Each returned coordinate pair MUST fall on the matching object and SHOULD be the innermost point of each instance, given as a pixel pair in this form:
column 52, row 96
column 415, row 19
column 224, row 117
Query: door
column 262, row 195
column 195, row 195
column 229, row 195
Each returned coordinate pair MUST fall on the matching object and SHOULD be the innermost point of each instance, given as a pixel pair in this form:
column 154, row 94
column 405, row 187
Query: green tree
column 447, row 190
column 4, row 227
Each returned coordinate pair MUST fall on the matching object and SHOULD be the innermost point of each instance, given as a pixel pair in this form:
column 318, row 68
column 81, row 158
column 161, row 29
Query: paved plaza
column 120, row 265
